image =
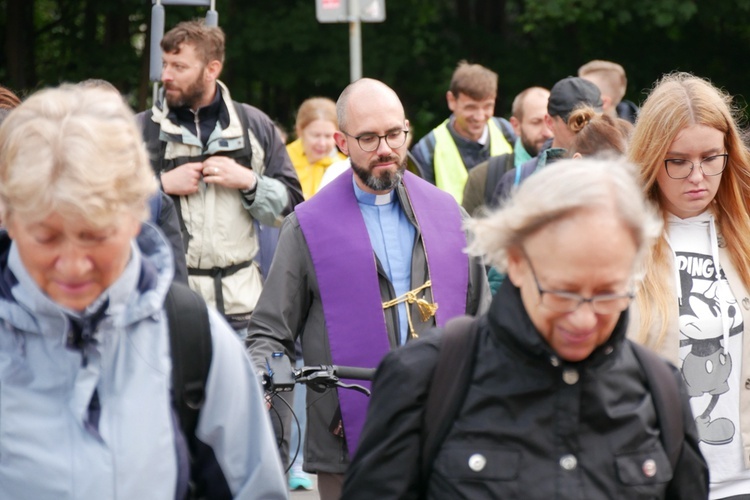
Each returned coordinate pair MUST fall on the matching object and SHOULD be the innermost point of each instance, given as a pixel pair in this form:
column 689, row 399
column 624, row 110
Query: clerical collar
column 372, row 199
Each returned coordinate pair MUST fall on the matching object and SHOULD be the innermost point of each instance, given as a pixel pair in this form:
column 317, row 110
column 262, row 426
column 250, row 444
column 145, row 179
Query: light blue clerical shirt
column 392, row 238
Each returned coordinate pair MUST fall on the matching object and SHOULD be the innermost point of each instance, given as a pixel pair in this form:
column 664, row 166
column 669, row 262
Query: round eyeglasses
column 679, row 168
column 370, row 142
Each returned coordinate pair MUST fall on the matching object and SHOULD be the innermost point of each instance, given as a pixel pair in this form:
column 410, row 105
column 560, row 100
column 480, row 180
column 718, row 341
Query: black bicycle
column 281, row 377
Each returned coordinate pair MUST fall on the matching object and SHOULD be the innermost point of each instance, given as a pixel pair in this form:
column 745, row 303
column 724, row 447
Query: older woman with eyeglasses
column 694, row 307
column 558, row 403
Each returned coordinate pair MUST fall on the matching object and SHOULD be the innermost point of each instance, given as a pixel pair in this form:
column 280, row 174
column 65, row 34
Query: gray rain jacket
column 56, row 444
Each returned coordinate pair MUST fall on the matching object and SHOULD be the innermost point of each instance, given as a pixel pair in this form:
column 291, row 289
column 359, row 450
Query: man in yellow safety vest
column 469, row 136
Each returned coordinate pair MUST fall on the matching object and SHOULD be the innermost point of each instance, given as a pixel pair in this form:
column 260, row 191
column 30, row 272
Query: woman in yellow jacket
column 315, row 149
column 311, row 154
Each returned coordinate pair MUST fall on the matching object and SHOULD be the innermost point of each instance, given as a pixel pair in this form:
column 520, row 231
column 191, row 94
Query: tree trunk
column 19, row 43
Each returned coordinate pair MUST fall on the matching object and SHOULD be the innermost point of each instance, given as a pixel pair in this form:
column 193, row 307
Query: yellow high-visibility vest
column 450, row 171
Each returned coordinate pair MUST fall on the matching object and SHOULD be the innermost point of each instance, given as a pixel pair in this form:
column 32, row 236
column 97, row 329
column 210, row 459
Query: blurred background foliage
column 278, row 54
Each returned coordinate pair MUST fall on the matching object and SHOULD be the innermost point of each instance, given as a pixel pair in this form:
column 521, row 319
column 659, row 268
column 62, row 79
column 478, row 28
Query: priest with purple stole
column 370, row 262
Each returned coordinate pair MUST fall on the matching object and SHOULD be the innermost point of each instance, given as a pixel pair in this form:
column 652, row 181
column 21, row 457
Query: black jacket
column 169, row 223
column 539, row 427
column 507, row 183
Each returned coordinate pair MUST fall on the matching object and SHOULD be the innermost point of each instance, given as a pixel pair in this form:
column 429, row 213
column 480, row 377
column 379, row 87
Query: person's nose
column 383, row 148
column 73, row 261
column 696, row 174
column 584, row 317
column 166, row 74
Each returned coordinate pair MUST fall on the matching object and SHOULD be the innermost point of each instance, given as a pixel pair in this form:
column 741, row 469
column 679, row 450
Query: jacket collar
column 228, row 119
column 215, row 111
column 510, row 324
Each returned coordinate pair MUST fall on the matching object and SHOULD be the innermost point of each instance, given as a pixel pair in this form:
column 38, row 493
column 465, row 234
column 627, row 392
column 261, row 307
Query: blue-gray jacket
column 57, row 443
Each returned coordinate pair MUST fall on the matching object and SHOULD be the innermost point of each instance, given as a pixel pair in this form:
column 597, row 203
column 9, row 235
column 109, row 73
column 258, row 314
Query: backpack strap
column 150, row 133
column 190, row 344
column 245, row 157
column 496, row 167
column 667, row 402
column 447, row 390
column 507, row 130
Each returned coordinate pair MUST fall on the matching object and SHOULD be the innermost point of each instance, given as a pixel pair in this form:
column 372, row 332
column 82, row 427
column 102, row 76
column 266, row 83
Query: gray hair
column 558, row 191
column 75, row 151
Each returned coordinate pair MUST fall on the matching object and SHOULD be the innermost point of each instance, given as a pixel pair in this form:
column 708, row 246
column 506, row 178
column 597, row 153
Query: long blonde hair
column 677, row 101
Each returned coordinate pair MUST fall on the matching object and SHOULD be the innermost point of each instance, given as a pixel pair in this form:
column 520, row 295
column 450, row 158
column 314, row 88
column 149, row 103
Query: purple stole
column 345, row 266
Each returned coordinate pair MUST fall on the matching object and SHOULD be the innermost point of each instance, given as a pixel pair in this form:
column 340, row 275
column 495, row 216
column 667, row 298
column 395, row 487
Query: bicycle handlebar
column 353, row 372
column 281, row 377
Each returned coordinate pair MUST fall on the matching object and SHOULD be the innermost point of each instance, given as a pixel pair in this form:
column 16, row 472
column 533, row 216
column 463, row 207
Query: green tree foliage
column 278, row 54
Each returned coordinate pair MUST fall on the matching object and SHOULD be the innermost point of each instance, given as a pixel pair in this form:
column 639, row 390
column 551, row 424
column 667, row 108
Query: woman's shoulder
column 412, row 364
column 417, row 354
column 296, row 153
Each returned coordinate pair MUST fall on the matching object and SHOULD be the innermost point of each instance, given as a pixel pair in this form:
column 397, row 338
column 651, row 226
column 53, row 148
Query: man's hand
column 228, row 173
column 183, row 180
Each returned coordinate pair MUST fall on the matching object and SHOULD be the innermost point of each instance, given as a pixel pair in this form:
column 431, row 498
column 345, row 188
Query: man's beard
column 190, row 97
column 387, row 179
column 530, row 148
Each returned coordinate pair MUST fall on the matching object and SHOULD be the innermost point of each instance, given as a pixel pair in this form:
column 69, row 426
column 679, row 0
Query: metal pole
column 212, row 17
column 355, row 41
column 157, row 32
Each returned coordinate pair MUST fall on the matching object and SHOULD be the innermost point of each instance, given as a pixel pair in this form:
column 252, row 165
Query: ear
column 516, row 267
column 451, row 100
column 213, row 69
column 341, row 142
column 577, row 156
column 549, row 122
column 516, row 125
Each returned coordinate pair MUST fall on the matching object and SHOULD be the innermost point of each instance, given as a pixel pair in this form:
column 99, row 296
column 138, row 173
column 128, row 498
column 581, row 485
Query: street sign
column 337, row 11
column 372, row 11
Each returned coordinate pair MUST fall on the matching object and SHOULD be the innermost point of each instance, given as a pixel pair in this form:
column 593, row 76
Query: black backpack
column 190, row 346
column 496, row 168
column 455, row 366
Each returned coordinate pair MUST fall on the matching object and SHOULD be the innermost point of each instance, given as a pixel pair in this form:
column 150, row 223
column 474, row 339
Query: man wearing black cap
column 565, row 96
